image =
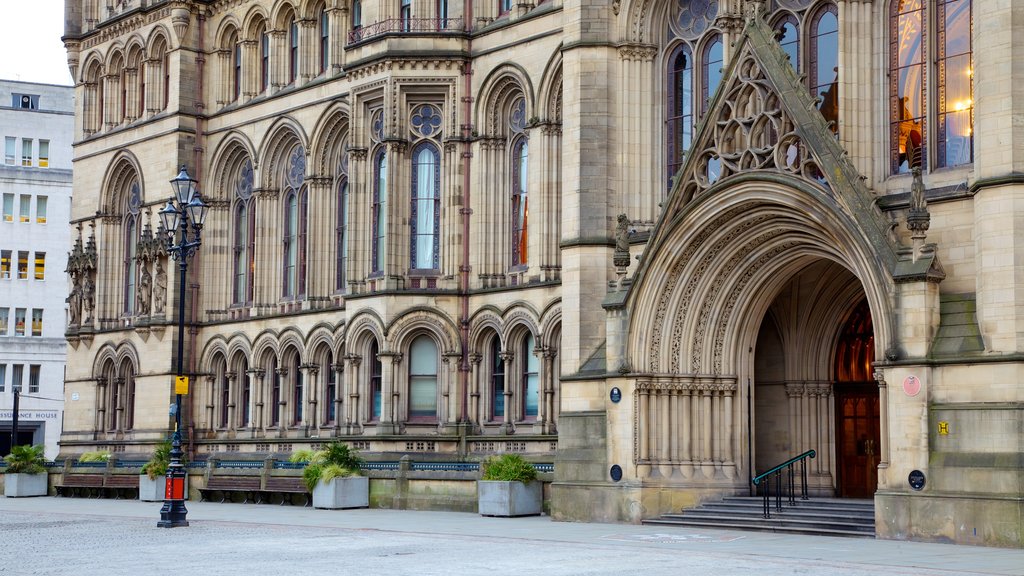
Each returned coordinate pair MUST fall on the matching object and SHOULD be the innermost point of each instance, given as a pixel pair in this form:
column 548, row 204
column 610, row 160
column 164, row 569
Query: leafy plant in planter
column 335, row 460
column 508, row 468
column 159, row 461
column 26, row 473
column 25, row 459
column 332, row 475
column 507, row 487
column 94, row 456
column 151, row 480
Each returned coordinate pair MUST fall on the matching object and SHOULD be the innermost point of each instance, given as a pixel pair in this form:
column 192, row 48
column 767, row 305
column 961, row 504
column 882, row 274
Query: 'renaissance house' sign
column 30, row 414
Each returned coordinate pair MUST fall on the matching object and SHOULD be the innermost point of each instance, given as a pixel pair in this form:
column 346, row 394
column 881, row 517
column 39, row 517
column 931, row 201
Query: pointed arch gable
column 283, row 135
column 228, row 156
column 282, row 10
column 265, row 343
column 486, row 319
column 253, row 19
column 107, row 354
column 214, row 346
column 332, row 129
column 500, row 88
column 364, row 325
column 122, row 170
column 418, row 320
column 228, row 26
column 126, row 352
column 159, row 37
column 520, row 317
column 550, row 323
column 239, row 344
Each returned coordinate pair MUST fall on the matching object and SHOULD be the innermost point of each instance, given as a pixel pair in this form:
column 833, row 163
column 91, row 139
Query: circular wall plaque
column 916, row 479
column 616, row 472
column 912, row 385
column 615, row 395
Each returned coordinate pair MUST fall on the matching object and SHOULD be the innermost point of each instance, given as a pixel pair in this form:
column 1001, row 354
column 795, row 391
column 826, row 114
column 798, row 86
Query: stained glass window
column 907, row 80
column 520, row 202
column 825, row 63
column 956, row 83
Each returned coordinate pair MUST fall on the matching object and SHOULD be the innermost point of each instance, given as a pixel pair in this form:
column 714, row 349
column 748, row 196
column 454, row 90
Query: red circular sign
column 912, row 385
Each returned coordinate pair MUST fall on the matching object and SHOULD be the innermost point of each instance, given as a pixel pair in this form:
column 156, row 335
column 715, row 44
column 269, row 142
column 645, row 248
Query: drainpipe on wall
column 197, row 160
column 467, row 211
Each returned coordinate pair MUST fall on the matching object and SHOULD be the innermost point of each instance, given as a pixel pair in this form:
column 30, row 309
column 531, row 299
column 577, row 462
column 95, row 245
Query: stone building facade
column 415, row 243
column 36, row 122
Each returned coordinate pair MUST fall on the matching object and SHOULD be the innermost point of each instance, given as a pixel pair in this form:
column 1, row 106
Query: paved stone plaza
column 56, row 536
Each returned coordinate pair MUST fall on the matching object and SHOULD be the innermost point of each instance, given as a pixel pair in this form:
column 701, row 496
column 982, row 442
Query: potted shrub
column 332, row 475
column 152, row 483
column 25, row 474
column 508, row 487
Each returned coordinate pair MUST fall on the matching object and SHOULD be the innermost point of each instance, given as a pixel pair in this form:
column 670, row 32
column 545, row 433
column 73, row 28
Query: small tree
column 26, row 459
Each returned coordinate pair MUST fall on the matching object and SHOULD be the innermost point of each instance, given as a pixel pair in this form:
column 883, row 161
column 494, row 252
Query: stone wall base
column 981, row 519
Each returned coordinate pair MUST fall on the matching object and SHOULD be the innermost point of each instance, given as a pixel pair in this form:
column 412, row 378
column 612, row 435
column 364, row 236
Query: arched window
column 245, row 416
column 129, row 396
column 293, row 50
column 497, row 380
column 225, row 396
column 907, row 82
column 442, row 14
column 244, row 236
column 291, row 243
column 131, row 240
column 379, row 207
column 680, row 108
column 140, row 90
column 303, row 235
column 405, row 13
column 357, row 14
column 330, row 388
column 376, row 376
column 264, row 40
column 956, row 83
column 242, row 253
column 530, row 378
column 114, row 384
column 426, row 206
column 520, row 202
column 711, row 70
column 341, row 236
column 236, row 68
column 325, row 39
column 166, row 101
column 298, row 390
column 825, row 63
column 275, row 393
column 423, row 379
column 786, row 30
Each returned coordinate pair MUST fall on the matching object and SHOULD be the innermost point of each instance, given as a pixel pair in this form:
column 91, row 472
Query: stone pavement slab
column 61, row 536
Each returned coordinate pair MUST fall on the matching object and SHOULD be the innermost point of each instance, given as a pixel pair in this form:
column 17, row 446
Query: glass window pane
column 41, row 209
column 40, row 266
column 22, row 265
column 37, row 322
column 10, row 143
column 24, row 206
column 4, row 314
column 33, row 379
column 26, row 151
column 44, row 153
column 19, row 321
column 910, row 37
column 957, row 27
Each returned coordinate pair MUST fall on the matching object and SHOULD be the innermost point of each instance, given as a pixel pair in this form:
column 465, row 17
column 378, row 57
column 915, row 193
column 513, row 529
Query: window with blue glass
column 788, row 34
column 298, row 390
column 497, row 380
column 330, row 388
column 680, row 108
column 711, row 69
column 325, row 39
column 824, row 67
column 530, row 378
column 376, row 378
column 293, row 50
column 379, row 217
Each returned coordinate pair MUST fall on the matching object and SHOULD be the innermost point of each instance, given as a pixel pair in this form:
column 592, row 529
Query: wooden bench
column 118, row 483
column 247, row 485
column 286, row 486
column 73, row 484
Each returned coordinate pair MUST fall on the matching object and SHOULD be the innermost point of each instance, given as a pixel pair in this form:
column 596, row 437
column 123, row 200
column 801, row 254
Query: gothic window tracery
column 244, row 236
column 520, row 183
column 341, row 222
column 296, row 200
column 824, row 71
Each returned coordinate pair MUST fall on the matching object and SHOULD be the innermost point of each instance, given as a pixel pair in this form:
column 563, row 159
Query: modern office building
column 37, row 124
column 665, row 244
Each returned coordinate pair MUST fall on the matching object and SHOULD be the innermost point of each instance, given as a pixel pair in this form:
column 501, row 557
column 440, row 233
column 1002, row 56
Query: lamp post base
column 173, row 515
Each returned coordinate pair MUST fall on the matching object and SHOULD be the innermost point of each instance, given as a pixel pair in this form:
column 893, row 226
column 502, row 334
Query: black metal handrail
column 776, row 472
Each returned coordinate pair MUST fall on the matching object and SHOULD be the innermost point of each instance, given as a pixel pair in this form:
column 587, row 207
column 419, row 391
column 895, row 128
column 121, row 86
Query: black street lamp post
column 185, row 211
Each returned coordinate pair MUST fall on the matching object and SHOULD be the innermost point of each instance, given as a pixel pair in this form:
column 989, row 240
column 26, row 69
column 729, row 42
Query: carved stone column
column 507, row 357
column 389, row 393
column 119, row 409
column 548, row 403
column 211, row 405
column 99, row 422
column 282, row 403
column 232, row 394
column 258, row 417
column 476, row 375
column 339, row 395
column 311, row 391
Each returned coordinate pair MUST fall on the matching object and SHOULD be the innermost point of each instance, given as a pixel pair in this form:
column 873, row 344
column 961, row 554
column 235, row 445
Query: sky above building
column 30, row 42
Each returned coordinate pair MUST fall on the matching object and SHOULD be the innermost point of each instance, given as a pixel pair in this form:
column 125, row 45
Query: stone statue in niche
column 88, row 297
column 145, row 293
column 621, row 256
column 159, row 288
column 74, row 301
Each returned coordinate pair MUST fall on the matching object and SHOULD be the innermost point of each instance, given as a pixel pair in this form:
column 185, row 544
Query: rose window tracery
column 426, row 121
column 297, row 167
column 691, row 18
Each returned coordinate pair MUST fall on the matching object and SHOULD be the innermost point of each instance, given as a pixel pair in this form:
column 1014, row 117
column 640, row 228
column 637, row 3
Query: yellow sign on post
column 181, row 384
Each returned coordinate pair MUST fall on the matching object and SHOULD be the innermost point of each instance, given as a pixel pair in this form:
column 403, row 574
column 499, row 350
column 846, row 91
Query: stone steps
column 823, row 516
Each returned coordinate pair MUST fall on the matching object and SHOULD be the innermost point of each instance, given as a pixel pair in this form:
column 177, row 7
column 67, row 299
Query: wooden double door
column 858, row 439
